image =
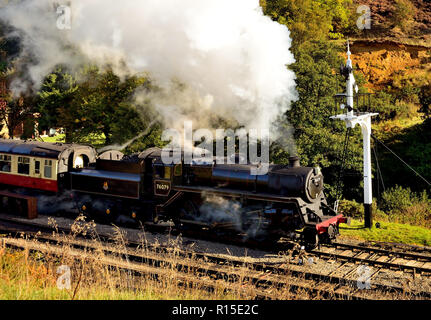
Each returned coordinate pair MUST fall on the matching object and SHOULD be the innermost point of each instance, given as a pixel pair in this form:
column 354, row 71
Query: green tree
column 99, row 104
column 309, row 19
column 319, row 139
column 55, row 100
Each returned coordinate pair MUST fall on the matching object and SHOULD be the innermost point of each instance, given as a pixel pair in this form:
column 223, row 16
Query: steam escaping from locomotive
column 219, row 211
column 213, row 58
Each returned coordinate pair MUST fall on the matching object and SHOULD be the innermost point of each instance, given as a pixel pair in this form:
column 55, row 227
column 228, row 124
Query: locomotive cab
column 159, row 178
column 162, row 178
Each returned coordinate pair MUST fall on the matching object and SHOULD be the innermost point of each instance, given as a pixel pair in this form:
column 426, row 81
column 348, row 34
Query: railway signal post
column 363, row 119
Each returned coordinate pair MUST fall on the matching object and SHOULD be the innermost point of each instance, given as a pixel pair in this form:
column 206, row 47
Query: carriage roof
column 33, row 148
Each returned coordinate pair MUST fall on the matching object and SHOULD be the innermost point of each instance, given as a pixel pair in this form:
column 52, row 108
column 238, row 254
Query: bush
column 397, row 198
column 417, row 214
column 405, row 206
column 351, row 209
column 390, row 107
column 405, row 110
column 425, row 100
column 383, row 104
column 408, row 92
column 356, row 210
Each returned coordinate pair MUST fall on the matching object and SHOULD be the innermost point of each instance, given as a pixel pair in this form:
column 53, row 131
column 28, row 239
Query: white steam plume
column 226, row 52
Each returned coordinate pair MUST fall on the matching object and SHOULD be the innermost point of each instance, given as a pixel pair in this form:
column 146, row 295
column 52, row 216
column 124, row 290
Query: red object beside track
column 323, row 226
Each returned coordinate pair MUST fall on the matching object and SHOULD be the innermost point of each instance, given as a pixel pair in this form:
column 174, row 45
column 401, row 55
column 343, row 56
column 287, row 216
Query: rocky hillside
column 383, row 15
column 389, row 55
column 387, row 63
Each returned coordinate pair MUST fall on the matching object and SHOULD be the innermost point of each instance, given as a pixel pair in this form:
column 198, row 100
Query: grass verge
column 24, row 276
column 94, row 139
column 388, row 232
column 34, row 272
column 33, row 275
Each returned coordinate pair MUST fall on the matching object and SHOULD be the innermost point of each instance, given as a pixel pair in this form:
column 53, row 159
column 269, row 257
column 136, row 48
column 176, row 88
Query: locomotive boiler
column 288, row 181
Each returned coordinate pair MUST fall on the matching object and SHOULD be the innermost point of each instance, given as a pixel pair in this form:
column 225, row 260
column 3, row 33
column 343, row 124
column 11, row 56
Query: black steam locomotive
column 287, row 202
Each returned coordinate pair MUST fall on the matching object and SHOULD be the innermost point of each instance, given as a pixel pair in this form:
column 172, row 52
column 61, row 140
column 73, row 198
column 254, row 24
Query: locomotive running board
column 235, row 193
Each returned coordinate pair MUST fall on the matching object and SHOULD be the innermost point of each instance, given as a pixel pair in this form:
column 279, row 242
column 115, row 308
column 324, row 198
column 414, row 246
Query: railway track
column 418, row 263
column 196, row 272
column 129, row 265
column 399, row 247
column 289, row 274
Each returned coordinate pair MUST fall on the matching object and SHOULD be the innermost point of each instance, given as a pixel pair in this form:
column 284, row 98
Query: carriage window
column 37, row 167
column 47, row 171
column 5, row 163
column 23, row 165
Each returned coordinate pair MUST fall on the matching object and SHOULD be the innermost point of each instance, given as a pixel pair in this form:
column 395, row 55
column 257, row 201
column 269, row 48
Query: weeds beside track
column 211, row 273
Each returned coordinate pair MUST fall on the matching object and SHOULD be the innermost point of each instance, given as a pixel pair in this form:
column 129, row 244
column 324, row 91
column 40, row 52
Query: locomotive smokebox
column 294, row 162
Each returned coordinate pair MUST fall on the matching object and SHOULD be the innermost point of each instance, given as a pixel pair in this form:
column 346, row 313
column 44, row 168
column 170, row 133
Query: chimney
column 294, row 162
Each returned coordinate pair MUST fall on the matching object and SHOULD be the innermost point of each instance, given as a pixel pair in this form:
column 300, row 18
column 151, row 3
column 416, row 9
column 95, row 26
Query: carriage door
column 37, row 168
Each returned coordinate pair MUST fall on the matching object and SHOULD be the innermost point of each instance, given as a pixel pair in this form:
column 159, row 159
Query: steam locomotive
column 287, row 202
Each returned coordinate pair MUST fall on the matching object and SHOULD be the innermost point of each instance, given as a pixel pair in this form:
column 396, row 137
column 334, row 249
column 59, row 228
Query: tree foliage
column 319, row 140
column 99, row 104
column 425, row 101
column 19, row 107
column 309, row 19
column 18, row 110
column 56, row 95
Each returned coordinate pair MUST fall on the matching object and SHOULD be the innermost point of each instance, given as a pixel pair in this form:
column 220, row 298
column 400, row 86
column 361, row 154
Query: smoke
column 54, row 204
column 219, row 210
column 230, row 59
column 123, row 146
column 285, row 137
column 71, row 205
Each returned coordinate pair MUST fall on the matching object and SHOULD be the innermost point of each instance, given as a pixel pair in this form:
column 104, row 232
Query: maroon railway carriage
column 40, row 165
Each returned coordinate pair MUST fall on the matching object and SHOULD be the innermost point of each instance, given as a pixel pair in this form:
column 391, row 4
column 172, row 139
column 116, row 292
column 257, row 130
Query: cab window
column 167, row 172
column 159, row 171
column 24, row 165
column 47, row 170
column 5, row 163
column 178, row 171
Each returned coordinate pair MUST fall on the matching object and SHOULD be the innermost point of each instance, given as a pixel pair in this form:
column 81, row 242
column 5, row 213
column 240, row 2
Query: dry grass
column 32, row 274
column 100, row 275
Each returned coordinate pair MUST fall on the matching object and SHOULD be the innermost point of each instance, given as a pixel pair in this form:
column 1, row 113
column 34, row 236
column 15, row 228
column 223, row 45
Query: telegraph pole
column 363, row 119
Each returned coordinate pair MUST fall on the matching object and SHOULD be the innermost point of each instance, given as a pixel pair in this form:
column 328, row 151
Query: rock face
column 383, row 62
column 387, row 55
